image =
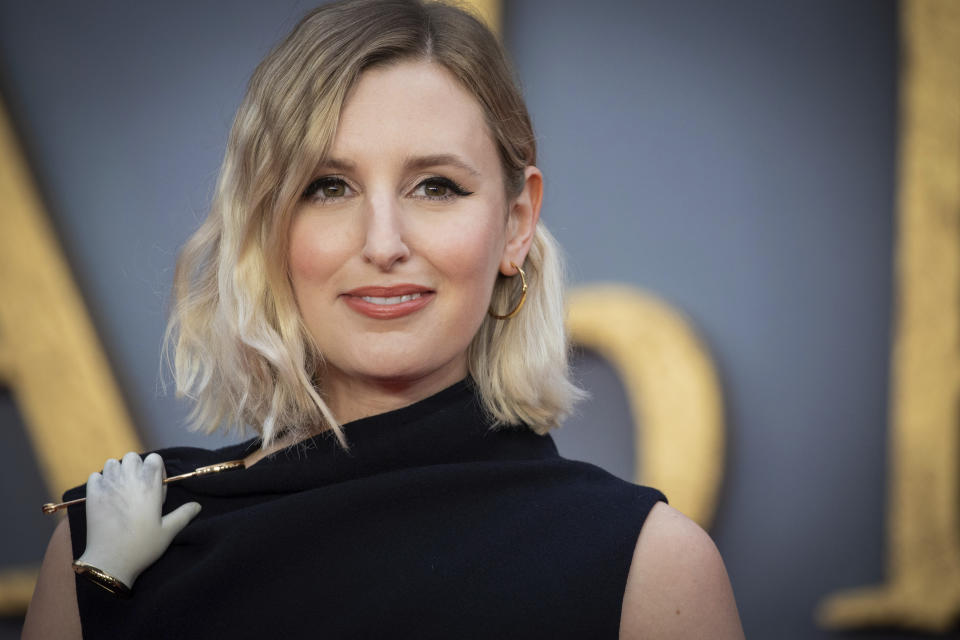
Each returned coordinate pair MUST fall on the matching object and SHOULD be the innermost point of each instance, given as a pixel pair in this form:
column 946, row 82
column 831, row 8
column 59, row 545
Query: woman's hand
column 125, row 530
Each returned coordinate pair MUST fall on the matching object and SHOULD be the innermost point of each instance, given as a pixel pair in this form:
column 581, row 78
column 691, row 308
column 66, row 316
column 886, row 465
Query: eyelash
column 454, row 189
column 314, row 189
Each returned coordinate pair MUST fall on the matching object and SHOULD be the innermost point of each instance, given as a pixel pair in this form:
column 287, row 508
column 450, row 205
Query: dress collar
column 448, row 427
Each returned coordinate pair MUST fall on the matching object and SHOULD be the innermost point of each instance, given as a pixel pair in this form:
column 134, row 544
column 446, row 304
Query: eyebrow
column 338, row 164
column 412, row 163
column 424, row 162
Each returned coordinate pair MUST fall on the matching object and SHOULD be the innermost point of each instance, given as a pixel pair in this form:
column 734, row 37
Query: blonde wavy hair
column 239, row 347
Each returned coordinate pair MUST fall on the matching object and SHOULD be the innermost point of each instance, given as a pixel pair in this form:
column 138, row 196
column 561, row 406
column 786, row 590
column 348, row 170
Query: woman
column 374, row 294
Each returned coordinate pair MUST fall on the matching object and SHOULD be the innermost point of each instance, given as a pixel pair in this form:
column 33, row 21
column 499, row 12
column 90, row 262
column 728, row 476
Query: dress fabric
column 433, row 525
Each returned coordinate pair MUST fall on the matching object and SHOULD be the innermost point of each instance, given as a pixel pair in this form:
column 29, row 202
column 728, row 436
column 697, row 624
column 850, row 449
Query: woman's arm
column 53, row 611
column 677, row 586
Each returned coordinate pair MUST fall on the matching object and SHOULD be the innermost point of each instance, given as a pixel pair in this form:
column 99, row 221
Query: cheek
column 312, row 253
column 300, row 260
column 471, row 253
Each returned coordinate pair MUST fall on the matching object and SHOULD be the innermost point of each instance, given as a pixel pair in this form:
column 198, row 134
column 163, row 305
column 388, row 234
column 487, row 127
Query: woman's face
column 396, row 244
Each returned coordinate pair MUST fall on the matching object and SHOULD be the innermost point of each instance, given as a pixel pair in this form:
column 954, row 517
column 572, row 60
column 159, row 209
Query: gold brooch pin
column 230, row 465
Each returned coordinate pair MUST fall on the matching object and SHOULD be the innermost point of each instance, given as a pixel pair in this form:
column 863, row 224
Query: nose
column 384, row 244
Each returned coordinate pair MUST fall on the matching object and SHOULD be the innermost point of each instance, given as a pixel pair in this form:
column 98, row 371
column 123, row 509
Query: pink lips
column 384, row 309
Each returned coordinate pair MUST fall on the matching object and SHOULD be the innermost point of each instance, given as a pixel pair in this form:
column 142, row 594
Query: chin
column 398, row 375
column 401, row 376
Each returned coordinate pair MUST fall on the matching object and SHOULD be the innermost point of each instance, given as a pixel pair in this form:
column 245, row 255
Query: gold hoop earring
column 523, row 296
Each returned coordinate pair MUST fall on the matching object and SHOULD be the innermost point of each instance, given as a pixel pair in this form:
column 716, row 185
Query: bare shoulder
column 677, row 586
column 53, row 611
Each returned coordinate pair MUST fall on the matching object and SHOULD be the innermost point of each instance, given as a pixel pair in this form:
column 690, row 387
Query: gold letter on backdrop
column 49, row 354
column 672, row 388
column 490, row 11
column 923, row 510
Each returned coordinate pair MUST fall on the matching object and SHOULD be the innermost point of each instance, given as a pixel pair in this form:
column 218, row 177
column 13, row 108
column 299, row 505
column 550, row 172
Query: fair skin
column 387, row 218
column 677, row 586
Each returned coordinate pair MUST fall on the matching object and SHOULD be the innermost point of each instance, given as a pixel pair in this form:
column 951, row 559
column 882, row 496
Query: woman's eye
column 435, row 190
column 439, row 189
column 327, row 188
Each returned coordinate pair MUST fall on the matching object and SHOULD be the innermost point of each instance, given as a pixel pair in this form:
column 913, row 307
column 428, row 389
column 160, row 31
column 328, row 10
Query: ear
column 522, row 222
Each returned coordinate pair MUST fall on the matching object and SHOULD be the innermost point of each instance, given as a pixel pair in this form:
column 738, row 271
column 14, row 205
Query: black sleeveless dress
column 432, row 526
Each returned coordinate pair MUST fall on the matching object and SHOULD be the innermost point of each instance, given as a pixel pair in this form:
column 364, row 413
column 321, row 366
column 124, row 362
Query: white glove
column 125, row 530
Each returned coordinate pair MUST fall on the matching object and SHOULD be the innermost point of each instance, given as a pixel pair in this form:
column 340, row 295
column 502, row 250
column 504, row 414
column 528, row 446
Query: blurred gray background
column 736, row 159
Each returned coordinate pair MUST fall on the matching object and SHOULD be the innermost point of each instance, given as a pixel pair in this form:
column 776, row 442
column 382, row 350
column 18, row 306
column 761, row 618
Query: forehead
column 412, row 108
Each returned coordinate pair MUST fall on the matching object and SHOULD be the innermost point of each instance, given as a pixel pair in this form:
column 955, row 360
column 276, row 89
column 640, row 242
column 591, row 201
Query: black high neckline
column 364, row 430
column 445, row 428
